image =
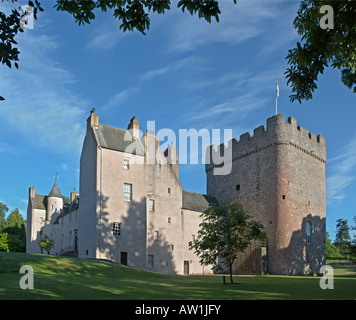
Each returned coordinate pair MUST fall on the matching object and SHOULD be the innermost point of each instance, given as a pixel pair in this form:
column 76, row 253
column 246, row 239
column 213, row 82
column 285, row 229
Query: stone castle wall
column 278, row 175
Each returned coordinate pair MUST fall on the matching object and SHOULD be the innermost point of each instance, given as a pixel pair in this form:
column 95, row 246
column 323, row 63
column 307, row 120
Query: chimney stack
column 133, row 127
column 171, row 154
column 73, row 195
column 32, row 192
column 93, row 120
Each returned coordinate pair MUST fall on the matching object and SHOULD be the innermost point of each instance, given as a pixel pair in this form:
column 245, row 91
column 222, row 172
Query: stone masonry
column 278, row 175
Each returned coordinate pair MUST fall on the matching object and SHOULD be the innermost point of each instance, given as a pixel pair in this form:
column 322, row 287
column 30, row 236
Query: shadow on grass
column 72, row 278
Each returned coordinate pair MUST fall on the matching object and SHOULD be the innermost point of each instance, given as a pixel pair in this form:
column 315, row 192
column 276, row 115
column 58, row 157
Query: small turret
column 54, row 202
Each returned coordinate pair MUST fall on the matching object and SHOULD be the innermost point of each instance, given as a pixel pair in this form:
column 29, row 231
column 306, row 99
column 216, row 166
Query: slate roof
column 114, row 138
column 68, row 208
column 55, row 191
column 40, row 202
column 196, row 201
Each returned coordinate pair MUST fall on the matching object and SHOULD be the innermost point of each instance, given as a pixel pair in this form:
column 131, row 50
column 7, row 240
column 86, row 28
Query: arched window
column 308, row 231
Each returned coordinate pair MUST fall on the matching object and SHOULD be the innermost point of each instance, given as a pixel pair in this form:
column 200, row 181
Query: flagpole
column 277, row 94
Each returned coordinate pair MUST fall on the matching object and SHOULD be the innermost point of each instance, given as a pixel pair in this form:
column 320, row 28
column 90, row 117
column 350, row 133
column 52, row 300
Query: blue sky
column 185, row 73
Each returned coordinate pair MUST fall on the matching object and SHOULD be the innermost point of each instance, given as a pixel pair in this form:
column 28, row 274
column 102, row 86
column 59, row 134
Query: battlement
column 278, row 131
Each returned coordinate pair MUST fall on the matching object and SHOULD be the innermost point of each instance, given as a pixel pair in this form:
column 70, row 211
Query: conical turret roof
column 55, row 191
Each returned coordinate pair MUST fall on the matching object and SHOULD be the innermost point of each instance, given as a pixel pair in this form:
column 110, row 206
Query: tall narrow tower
column 54, row 202
column 278, row 175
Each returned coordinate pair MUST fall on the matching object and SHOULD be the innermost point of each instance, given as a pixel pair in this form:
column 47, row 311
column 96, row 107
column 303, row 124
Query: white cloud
column 234, row 96
column 119, row 98
column 39, row 101
column 238, row 23
column 154, row 73
column 6, row 148
column 186, row 64
column 342, row 173
column 107, row 33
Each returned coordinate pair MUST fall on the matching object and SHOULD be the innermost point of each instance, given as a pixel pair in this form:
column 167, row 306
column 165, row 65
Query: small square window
column 151, row 205
column 116, row 228
column 126, row 164
column 237, row 187
column 283, row 197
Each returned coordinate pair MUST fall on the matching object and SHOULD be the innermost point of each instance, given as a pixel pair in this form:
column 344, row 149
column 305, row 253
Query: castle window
column 126, row 164
column 169, row 190
column 284, row 197
column 169, row 220
column 156, row 235
column 237, row 187
column 151, row 205
column 150, row 261
column 127, row 192
column 116, row 228
column 172, row 247
column 308, row 232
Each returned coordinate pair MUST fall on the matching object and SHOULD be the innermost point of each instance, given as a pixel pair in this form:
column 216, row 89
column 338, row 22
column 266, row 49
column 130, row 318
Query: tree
column 343, row 239
column 15, row 227
column 4, row 245
column 133, row 14
column 331, row 250
column 226, row 230
column 46, row 243
column 353, row 243
column 328, row 38
column 3, row 210
column 66, row 200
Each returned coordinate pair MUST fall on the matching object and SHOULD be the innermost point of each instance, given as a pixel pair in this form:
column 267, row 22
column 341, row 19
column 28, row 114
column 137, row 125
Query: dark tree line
column 12, row 230
column 344, row 245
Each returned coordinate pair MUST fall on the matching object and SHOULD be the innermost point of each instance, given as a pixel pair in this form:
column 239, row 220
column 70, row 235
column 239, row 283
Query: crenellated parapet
column 278, row 131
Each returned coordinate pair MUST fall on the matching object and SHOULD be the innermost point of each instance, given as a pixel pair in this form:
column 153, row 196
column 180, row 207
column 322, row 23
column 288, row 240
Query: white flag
column 277, row 88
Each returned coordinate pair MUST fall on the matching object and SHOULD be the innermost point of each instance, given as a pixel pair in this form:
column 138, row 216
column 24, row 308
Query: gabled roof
column 55, row 191
column 39, row 202
column 117, row 139
column 196, row 201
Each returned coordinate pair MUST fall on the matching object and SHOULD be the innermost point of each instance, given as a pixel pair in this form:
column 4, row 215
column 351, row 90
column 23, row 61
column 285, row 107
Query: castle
column 132, row 208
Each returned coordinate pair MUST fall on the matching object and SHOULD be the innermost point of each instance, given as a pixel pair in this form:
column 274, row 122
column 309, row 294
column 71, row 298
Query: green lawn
column 72, row 278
